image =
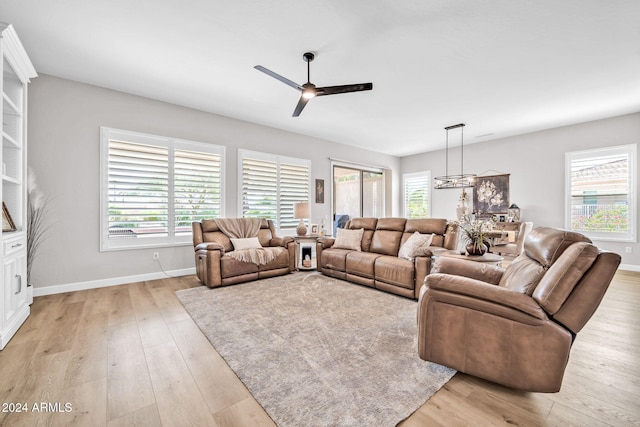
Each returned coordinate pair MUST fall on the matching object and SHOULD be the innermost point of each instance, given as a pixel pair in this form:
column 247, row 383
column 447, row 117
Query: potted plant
column 474, row 232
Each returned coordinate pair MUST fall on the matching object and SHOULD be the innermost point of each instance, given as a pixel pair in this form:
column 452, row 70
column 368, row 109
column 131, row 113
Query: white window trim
column 106, row 134
column 631, row 150
column 426, row 174
column 278, row 159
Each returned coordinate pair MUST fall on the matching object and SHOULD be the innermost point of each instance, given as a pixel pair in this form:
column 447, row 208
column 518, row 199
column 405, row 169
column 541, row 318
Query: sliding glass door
column 356, row 193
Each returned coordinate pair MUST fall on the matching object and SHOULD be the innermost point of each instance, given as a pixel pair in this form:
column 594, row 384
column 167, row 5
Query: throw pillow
column 247, row 243
column 349, row 239
column 416, row 245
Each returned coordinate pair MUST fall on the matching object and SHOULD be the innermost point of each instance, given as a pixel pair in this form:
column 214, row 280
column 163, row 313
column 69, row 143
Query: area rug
column 317, row 351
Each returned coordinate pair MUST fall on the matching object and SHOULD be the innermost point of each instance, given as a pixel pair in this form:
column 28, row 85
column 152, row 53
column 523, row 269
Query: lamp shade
column 301, row 210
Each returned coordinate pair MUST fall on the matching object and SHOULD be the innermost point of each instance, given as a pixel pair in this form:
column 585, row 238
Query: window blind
column 601, row 192
column 155, row 187
column 271, row 184
column 417, row 192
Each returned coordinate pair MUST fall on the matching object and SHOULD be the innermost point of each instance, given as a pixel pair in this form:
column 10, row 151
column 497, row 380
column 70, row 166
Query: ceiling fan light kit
column 309, row 90
column 461, row 180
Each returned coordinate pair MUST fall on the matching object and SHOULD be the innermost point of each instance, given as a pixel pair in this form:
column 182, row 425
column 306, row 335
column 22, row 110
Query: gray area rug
column 317, row 351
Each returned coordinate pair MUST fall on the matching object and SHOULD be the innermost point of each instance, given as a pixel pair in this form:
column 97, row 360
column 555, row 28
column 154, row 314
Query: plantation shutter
column 294, row 187
column 259, row 189
column 197, row 188
column 153, row 188
column 601, row 192
column 271, row 184
column 417, row 191
column 138, row 189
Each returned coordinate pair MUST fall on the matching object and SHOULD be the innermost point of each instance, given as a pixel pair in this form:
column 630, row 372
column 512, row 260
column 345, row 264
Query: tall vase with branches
column 37, row 226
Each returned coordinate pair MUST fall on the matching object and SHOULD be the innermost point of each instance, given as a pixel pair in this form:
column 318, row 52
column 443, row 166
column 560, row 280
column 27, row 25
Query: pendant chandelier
column 455, row 181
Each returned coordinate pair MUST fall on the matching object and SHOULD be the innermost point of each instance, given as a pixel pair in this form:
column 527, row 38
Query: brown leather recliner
column 214, row 269
column 516, row 326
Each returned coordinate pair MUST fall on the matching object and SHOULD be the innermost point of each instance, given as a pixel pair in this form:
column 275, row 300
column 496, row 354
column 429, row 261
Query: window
column 153, row 188
column 270, row 185
column 601, row 193
column 417, row 194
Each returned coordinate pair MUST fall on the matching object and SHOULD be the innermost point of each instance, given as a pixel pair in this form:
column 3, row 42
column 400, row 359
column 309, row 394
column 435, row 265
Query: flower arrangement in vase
column 475, row 234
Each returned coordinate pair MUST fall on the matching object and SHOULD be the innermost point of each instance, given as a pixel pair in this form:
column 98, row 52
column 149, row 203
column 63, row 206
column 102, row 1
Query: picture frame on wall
column 491, row 194
column 7, row 221
column 319, row 190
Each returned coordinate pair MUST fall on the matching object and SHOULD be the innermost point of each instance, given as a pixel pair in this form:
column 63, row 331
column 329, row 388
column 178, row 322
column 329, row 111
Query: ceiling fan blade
column 301, row 104
column 332, row 90
column 278, row 77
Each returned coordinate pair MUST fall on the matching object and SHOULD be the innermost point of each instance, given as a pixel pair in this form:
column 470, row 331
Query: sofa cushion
column 334, row 259
column 386, row 242
column 393, row 224
column 416, row 245
column 396, row 271
column 280, row 261
column 545, row 244
column 361, row 263
column 230, row 267
column 349, row 239
column 245, row 243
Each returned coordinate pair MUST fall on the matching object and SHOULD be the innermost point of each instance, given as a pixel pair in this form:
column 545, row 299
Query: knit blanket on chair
column 242, row 228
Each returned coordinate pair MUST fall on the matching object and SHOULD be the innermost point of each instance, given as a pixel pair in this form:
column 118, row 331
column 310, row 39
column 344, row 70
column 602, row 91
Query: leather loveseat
column 377, row 264
column 215, row 269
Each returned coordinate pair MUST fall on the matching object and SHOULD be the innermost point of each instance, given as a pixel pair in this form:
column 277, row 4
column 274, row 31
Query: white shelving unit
column 16, row 296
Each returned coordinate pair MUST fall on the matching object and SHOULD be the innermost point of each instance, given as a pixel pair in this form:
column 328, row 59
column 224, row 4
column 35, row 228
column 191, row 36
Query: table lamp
column 301, row 211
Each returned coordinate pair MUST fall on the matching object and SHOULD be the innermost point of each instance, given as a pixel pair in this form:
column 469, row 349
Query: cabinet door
column 15, row 285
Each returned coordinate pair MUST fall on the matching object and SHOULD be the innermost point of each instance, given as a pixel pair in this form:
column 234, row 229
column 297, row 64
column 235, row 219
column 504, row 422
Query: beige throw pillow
column 416, row 245
column 248, row 243
column 349, row 239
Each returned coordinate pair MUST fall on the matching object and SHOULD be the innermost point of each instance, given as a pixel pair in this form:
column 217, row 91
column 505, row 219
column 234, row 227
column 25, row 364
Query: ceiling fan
column 309, row 90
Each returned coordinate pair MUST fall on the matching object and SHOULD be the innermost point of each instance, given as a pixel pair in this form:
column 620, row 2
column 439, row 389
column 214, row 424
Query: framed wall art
column 319, row 190
column 7, row 222
column 491, row 194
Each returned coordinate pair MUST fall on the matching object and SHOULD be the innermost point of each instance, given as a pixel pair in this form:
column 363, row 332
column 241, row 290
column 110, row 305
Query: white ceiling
column 503, row 67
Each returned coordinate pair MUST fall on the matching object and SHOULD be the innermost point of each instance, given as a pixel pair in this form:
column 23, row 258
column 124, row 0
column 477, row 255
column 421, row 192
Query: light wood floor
column 130, row 355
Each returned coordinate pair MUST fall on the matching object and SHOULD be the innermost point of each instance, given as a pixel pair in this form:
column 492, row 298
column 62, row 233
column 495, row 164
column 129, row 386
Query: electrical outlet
column 156, row 255
column 627, row 249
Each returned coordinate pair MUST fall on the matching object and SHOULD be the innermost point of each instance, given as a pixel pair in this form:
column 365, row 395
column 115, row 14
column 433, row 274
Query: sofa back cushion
column 435, row 226
column 369, row 226
column 211, row 233
column 387, row 237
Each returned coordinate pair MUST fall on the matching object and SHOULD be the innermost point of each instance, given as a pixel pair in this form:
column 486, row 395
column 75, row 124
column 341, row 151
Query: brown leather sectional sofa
column 214, row 269
column 377, row 265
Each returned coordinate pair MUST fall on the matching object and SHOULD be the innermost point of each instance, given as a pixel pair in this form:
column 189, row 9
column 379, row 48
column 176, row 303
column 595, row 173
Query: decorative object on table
column 461, row 180
column 37, row 227
column 314, row 229
column 474, row 232
column 514, row 213
column 7, row 222
column 301, row 211
column 491, row 194
column 319, row 190
column 463, row 208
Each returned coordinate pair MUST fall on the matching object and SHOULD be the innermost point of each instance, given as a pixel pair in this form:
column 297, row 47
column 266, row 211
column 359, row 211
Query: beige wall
column 64, row 122
column 535, row 162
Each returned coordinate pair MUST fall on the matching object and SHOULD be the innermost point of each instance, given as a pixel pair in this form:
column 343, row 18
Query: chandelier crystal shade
column 461, row 180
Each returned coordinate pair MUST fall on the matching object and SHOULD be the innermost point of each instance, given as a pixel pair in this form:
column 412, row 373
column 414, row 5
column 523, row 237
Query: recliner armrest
column 281, row 241
column 474, row 270
column 472, row 289
column 209, row 246
column 326, row 242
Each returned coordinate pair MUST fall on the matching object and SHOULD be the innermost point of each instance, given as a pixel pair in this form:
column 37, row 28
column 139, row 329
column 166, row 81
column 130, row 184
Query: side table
column 306, row 252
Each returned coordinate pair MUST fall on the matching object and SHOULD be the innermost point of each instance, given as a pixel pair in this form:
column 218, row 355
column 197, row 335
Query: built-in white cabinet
column 16, row 295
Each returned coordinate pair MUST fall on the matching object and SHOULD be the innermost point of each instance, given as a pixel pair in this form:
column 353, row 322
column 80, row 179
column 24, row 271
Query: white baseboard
column 92, row 284
column 629, row 267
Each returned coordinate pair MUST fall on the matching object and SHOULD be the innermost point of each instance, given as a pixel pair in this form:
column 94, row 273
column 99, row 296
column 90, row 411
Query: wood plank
column 87, row 403
column 220, row 390
column 143, row 417
column 178, row 399
column 246, row 413
column 128, row 382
